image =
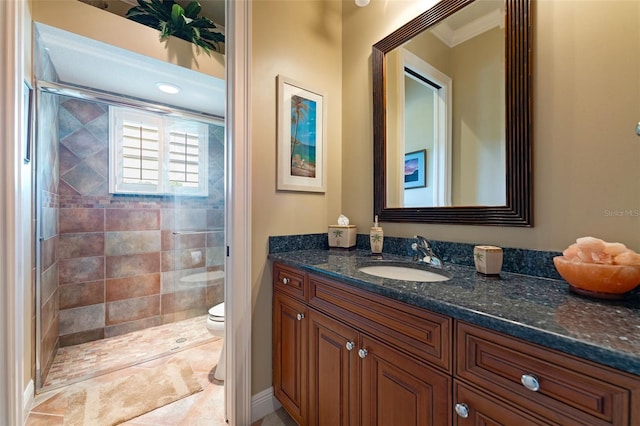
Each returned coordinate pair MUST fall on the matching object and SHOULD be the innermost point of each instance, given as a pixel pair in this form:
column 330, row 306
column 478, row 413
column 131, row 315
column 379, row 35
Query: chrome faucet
column 424, row 252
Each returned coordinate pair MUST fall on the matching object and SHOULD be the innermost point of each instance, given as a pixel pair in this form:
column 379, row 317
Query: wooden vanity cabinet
column 355, row 379
column 290, row 328
column 345, row 356
column 360, row 367
column 333, row 372
column 510, row 377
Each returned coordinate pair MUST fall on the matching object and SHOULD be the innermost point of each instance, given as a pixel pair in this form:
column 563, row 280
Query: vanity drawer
column 571, row 391
column 290, row 281
column 423, row 334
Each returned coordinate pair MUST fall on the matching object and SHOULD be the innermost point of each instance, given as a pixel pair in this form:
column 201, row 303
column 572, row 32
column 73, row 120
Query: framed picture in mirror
column 415, row 173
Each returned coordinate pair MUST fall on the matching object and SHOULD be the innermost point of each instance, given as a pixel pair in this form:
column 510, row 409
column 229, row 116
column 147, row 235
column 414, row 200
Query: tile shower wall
column 121, row 257
column 46, row 220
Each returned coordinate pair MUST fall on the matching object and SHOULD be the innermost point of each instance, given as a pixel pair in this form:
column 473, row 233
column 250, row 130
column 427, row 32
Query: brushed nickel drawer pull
column 362, row 353
column 350, row 346
column 530, row 382
column 286, row 281
column 300, row 317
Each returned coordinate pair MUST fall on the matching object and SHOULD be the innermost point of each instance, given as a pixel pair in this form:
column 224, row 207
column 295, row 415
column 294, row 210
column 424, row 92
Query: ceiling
column 80, row 61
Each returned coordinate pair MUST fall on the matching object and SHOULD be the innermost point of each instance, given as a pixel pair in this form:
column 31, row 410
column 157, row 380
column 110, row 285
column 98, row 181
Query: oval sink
column 403, row 273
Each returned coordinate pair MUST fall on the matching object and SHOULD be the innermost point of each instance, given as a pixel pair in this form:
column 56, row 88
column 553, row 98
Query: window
column 154, row 154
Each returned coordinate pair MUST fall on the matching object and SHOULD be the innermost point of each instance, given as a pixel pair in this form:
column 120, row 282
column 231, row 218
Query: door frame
column 238, row 194
column 14, row 274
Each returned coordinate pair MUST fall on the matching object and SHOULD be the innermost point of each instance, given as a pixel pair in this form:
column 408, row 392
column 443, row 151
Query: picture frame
column 27, row 96
column 301, row 137
column 415, row 172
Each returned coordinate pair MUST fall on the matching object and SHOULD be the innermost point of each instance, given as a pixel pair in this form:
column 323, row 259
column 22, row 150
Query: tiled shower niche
column 112, row 264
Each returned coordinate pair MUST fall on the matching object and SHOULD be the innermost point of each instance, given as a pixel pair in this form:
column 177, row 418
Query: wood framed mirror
column 515, row 208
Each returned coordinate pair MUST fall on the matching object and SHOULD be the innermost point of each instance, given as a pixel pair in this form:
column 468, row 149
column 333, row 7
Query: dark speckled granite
column 536, row 263
column 539, row 310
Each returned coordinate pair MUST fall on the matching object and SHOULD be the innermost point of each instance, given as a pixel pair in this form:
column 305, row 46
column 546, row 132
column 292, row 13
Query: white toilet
column 215, row 325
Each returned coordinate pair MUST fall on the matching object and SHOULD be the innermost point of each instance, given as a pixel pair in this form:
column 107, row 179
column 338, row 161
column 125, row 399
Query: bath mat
column 132, row 396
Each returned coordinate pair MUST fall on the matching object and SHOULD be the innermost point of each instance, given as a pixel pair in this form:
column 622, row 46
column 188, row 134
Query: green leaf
column 176, row 12
column 193, row 9
column 171, row 19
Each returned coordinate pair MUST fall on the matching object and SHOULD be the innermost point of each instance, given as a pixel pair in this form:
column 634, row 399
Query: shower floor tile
column 74, row 363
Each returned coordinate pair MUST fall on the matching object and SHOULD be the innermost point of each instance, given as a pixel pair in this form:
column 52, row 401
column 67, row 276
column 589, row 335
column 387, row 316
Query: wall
column 478, row 149
column 586, row 102
column 300, row 40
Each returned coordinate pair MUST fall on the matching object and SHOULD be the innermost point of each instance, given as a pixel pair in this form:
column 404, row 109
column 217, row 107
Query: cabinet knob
column 462, row 410
column 286, row 281
column 362, row 353
column 350, row 346
column 530, row 382
column 300, row 317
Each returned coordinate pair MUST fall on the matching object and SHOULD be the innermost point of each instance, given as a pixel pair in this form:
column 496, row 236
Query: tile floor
column 142, row 349
column 109, row 359
column 80, row 362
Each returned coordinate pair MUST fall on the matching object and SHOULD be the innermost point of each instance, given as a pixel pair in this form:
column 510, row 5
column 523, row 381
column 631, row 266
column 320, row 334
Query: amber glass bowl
column 602, row 281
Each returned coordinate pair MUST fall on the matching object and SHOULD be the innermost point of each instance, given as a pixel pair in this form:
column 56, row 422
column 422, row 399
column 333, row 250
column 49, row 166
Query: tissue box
column 342, row 236
column 488, row 259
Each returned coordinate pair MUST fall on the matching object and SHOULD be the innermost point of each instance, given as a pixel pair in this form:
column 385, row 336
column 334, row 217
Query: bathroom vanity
column 351, row 349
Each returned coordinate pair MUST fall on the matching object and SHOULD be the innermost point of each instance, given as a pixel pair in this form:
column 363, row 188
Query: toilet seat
column 217, row 312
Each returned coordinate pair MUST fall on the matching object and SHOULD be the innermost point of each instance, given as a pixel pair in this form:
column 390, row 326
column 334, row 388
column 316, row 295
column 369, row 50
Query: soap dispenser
column 376, row 238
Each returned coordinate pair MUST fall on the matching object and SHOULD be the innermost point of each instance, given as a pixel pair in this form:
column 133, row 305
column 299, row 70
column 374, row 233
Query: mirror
column 452, row 117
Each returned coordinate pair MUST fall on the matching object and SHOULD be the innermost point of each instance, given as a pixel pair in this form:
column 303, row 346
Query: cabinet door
column 290, row 328
column 333, row 372
column 474, row 407
column 398, row 390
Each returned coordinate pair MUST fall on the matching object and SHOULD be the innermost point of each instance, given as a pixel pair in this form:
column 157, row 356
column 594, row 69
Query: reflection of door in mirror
column 462, row 131
column 420, row 101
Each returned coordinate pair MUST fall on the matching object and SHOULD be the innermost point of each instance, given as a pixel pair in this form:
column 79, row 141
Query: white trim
column 262, row 404
column 443, row 138
column 474, row 28
column 28, row 397
column 11, row 221
column 238, row 195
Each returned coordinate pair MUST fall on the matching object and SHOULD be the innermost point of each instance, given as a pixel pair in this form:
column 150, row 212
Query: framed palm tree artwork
column 301, row 140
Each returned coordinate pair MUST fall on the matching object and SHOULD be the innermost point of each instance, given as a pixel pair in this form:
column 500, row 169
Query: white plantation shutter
column 140, row 153
column 184, row 159
column 153, row 154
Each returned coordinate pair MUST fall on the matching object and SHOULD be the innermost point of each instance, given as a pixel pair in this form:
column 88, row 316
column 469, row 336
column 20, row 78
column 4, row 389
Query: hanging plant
column 171, row 19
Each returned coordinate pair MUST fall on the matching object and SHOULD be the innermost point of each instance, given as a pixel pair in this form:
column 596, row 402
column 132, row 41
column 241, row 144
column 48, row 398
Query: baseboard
column 28, row 398
column 263, row 403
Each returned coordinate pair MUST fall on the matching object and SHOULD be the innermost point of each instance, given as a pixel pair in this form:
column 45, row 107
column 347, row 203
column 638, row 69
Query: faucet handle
column 422, row 241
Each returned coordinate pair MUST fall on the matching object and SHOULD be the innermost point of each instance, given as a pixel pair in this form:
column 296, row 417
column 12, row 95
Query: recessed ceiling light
column 172, row 89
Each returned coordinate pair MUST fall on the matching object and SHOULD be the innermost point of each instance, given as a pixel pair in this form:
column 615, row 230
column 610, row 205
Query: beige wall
column 300, row 40
column 586, row 104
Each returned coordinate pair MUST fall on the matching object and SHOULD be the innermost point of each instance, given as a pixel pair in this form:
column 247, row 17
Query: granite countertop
column 539, row 310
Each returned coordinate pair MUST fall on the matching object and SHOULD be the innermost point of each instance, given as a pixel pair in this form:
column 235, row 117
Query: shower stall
column 130, row 215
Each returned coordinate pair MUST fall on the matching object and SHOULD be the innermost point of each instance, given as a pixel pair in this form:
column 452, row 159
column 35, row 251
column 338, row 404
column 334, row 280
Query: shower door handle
column 210, row 231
